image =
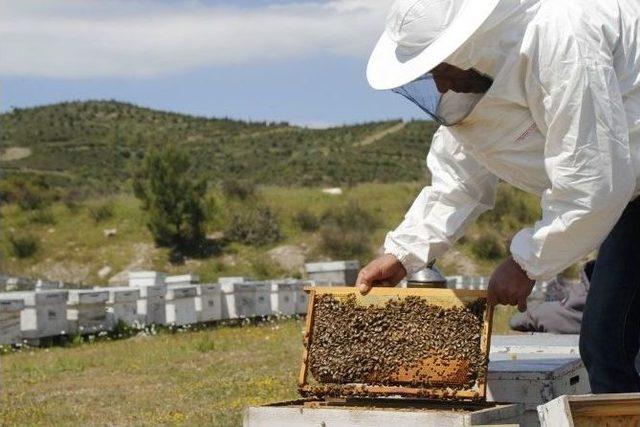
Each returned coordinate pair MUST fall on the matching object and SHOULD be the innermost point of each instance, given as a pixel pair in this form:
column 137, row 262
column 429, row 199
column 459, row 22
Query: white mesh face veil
column 447, row 109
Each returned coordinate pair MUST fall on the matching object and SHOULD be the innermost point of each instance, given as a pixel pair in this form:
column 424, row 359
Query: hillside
column 96, row 145
column 68, row 212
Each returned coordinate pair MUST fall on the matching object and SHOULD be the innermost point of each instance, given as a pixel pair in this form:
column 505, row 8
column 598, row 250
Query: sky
column 278, row 60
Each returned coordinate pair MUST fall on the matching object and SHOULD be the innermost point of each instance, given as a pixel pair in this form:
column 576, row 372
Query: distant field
column 190, row 378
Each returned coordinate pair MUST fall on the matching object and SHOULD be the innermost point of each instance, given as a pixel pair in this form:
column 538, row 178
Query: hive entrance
column 428, row 343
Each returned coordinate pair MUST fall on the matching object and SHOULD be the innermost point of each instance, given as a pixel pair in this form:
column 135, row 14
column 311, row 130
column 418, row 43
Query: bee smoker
column 429, row 277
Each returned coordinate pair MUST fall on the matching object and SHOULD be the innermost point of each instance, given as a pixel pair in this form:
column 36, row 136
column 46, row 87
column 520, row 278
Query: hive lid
column 87, row 296
column 31, row 298
column 122, row 293
column 181, row 291
column 414, row 342
column 11, row 305
column 208, row 288
column 318, row 267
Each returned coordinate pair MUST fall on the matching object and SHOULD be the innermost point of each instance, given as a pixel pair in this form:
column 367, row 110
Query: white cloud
column 125, row 38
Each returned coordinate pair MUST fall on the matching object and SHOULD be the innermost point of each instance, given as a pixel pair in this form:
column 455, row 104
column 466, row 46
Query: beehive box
column 380, row 412
column 44, row 313
column 182, row 279
column 238, row 300
column 87, row 311
column 151, row 305
column 591, row 410
column 534, row 379
column 181, row 305
column 330, row 273
column 209, row 302
column 536, row 343
column 301, row 296
column 10, row 320
column 122, row 304
column 146, row 278
column 262, row 298
column 283, row 298
column 427, row 343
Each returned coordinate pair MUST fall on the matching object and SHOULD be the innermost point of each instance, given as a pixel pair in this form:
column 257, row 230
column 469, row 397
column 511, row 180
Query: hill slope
column 97, row 145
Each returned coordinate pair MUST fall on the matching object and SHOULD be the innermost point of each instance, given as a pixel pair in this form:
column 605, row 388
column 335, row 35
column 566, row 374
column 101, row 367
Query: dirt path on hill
column 379, row 135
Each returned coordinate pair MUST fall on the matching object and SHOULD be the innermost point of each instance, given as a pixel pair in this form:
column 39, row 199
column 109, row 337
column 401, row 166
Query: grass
column 201, row 377
column 192, row 378
column 77, row 242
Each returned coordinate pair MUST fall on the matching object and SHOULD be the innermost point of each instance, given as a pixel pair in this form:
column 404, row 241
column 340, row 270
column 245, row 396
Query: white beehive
column 209, row 302
column 263, row 298
column 230, row 280
column 123, row 304
column 238, row 300
column 10, row 320
column 44, row 313
column 297, row 413
column 151, row 305
column 43, row 285
column 302, row 298
column 87, row 311
column 181, row 305
column 283, row 298
column 182, row 279
column 337, row 273
column 146, row 278
column 534, row 379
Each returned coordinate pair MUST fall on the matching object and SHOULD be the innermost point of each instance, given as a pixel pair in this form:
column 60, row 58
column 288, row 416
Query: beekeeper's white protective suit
column 561, row 120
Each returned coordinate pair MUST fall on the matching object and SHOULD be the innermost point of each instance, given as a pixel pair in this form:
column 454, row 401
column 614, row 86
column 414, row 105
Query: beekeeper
column 544, row 95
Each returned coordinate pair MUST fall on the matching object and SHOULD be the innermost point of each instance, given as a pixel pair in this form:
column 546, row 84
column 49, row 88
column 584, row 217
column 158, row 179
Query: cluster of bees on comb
column 403, row 342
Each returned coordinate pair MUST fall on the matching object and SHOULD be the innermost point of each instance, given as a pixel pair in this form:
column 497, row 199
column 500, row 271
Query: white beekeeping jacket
column 561, row 120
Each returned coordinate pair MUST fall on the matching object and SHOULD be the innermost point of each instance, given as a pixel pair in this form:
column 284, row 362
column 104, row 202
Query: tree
column 174, row 202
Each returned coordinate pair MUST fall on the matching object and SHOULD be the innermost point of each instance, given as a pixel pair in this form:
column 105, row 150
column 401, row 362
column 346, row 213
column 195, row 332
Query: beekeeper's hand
column 382, row 271
column 509, row 285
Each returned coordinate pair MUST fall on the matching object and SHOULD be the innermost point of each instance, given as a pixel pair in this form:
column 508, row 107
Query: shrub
column 174, row 201
column 29, row 194
column 344, row 244
column 238, row 189
column 489, row 246
column 43, row 216
column 101, row 212
column 23, row 246
column 306, row 220
column 346, row 232
column 255, row 226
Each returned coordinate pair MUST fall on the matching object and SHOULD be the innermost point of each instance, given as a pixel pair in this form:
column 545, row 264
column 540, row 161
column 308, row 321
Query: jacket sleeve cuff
column 522, row 254
column 410, row 261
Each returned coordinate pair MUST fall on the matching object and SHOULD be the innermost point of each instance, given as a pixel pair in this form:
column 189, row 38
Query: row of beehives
column 481, row 283
column 32, row 315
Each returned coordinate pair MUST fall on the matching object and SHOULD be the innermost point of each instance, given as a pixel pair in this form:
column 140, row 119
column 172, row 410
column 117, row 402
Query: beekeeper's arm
column 461, row 189
column 575, row 99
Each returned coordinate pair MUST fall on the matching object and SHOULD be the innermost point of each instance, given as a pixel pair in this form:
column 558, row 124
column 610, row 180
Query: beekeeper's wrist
column 409, row 261
column 521, row 254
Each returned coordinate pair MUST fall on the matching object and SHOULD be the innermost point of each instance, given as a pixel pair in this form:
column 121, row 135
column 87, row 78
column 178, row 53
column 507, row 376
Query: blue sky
column 297, row 61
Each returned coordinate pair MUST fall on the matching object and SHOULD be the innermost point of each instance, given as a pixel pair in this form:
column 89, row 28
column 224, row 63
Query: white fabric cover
column 561, row 120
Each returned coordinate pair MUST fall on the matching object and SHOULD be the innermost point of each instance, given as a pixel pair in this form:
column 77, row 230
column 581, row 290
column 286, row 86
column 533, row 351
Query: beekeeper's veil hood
column 421, row 34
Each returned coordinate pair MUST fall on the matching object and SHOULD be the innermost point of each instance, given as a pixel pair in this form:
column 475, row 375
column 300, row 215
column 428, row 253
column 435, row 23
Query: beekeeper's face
column 448, row 77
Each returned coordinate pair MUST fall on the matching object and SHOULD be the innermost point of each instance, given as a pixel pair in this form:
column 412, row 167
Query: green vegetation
column 254, row 225
column 174, row 203
column 95, row 147
column 322, row 226
column 101, row 212
column 345, row 232
column 204, row 377
column 70, row 169
column 22, row 246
